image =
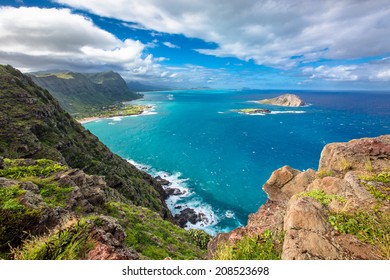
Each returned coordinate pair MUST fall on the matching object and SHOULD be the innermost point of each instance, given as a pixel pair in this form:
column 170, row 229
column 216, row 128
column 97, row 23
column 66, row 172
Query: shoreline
column 147, row 111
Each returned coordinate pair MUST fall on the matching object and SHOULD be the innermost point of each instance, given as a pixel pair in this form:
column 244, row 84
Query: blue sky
column 280, row 44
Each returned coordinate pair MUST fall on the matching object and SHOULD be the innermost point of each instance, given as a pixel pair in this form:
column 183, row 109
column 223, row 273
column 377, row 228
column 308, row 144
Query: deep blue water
column 222, row 158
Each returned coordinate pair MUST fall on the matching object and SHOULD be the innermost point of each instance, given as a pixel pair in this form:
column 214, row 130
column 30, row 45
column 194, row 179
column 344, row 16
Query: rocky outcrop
column 329, row 214
column 288, row 100
column 51, row 211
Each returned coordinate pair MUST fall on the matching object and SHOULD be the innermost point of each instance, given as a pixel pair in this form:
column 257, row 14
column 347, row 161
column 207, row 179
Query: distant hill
column 137, row 86
column 79, row 93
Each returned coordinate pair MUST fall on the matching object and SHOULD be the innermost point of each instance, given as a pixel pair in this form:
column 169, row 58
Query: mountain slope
column 82, row 92
column 33, row 125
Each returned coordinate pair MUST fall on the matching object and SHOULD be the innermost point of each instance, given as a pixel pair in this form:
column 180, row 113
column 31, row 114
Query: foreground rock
column 288, row 100
column 339, row 212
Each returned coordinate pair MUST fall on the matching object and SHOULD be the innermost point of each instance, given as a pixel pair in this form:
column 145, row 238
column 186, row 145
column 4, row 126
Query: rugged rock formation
column 340, row 212
column 72, row 215
column 288, row 100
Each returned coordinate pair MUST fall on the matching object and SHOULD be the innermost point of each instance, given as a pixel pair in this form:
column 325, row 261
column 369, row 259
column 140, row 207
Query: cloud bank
column 276, row 33
column 37, row 38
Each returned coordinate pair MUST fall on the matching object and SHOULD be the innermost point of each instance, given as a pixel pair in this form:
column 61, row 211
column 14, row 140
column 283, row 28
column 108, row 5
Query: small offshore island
column 287, row 100
column 253, row 111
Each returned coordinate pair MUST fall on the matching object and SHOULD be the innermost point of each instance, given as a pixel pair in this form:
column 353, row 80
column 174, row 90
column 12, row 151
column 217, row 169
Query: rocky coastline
column 186, row 215
column 340, row 212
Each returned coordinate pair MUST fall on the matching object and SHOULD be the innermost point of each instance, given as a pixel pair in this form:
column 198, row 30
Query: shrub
column 258, row 247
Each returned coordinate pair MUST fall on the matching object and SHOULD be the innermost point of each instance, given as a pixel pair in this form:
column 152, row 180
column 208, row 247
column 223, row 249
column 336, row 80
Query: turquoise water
column 222, row 158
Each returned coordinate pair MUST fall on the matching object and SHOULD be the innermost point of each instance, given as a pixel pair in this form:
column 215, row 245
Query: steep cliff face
column 340, row 212
column 81, row 92
column 33, row 125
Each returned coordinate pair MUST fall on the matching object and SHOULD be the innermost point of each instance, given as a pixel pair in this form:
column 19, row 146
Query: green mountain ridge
column 33, row 125
column 80, row 93
column 65, row 195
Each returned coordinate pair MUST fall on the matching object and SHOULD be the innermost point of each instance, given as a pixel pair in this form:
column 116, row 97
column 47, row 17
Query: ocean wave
column 186, row 198
column 287, row 112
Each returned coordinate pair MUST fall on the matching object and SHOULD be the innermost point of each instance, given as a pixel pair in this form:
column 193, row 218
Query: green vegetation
column 120, row 110
column 250, row 111
column 53, row 194
column 70, row 242
column 345, row 165
column 15, row 218
column 322, row 197
column 200, row 237
column 154, row 237
column 324, row 173
column 35, row 126
column 82, row 94
column 370, row 227
column 378, row 185
column 15, row 169
column 259, row 247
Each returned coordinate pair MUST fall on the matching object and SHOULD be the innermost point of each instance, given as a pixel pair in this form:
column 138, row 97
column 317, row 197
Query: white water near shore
column 186, row 198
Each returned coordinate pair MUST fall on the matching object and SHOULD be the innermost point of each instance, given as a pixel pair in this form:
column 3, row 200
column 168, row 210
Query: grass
column 54, row 195
column 15, row 219
column 324, row 173
column 373, row 228
column 378, row 185
column 200, row 237
column 258, row 247
column 322, row 197
column 70, row 242
column 345, row 165
column 16, row 169
column 154, row 237
column 10, row 196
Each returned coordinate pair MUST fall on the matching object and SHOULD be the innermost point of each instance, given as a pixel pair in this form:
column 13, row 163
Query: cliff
column 51, row 211
column 81, row 93
column 342, row 211
column 64, row 195
column 33, row 125
column 288, row 100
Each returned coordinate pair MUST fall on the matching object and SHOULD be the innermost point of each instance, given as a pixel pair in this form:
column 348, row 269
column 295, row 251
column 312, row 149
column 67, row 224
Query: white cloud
column 278, row 33
column 336, row 73
column 375, row 70
column 37, row 38
column 383, row 75
column 170, row 45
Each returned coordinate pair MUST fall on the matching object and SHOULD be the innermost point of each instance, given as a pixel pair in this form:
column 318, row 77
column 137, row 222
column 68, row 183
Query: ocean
column 220, row 159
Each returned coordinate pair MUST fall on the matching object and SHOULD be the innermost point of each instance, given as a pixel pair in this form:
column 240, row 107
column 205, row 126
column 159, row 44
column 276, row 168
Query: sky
column 262, row 44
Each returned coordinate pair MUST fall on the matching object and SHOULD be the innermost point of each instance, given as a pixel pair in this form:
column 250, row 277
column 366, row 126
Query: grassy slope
column 33, row 125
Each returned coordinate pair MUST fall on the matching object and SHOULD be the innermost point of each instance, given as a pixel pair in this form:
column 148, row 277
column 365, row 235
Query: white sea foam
column 185, row 199
column 287, row 112
column 116, row 119
column 229, row 214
